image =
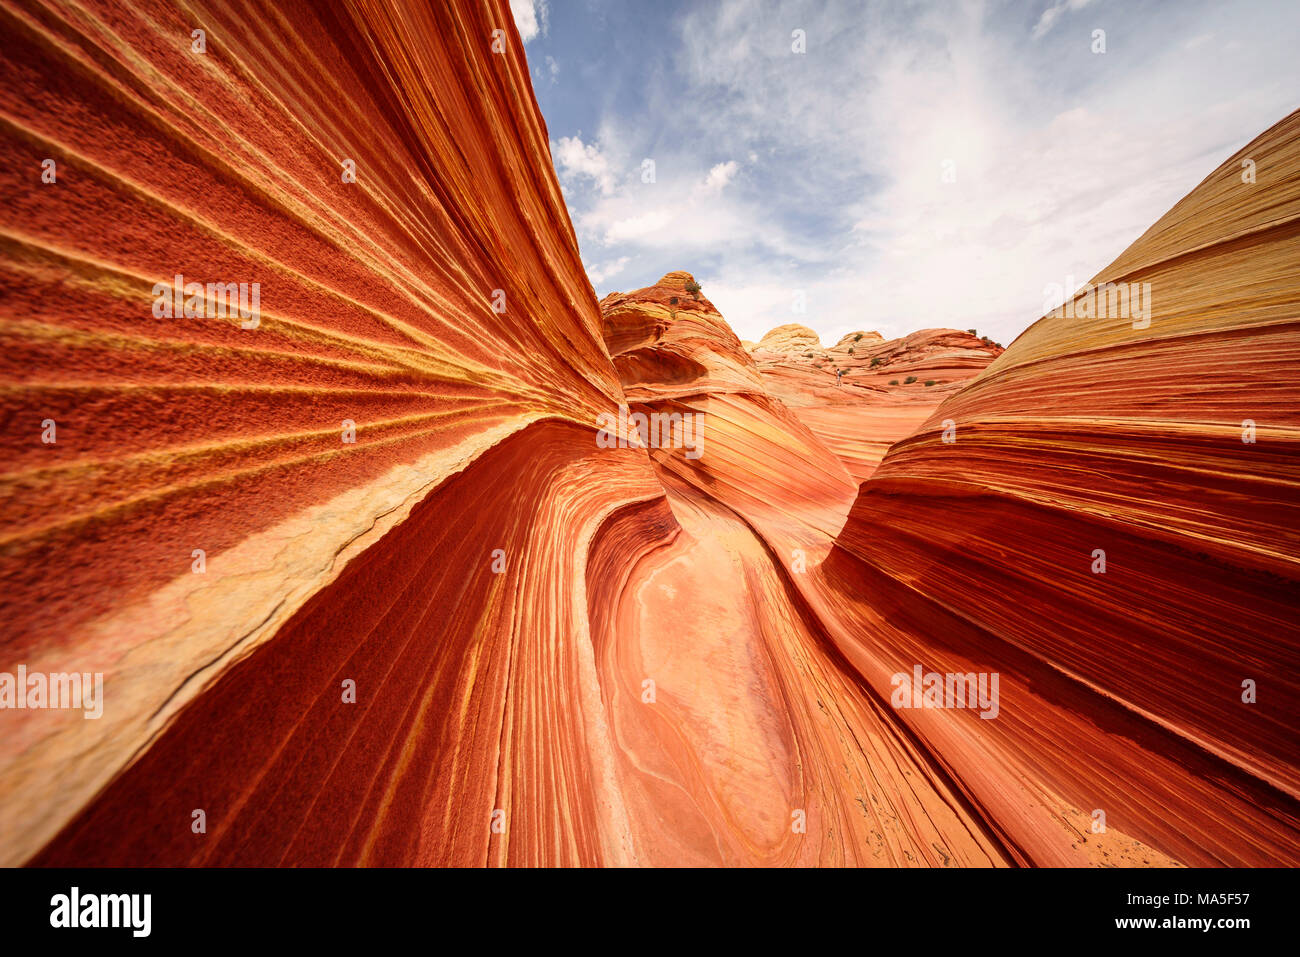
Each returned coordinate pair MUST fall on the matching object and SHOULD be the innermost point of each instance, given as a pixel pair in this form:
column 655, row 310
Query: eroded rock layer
column 400, row 573
column 887, row 388
column 1112, row 526
column 739, row 738
column 208, row 481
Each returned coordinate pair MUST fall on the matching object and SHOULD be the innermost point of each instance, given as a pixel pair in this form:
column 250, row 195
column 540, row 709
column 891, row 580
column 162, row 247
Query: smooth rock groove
column 500, row 586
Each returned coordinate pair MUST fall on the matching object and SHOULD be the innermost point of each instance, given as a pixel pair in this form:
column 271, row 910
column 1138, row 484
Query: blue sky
column 920, row 165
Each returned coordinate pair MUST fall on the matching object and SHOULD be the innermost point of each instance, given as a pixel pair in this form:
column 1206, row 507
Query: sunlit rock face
column 427, row 361
column 386, row 572
column 743, row 737
column 888, row 387
column 792, row 338
column 675, row 353
column 1112, row 526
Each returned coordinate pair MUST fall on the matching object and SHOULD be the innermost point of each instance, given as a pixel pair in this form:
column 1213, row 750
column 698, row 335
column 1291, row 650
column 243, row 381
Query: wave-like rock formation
column 432, row 559
column 887, row 389
column 215, row 490
column 1113, row 526
column 760, row 746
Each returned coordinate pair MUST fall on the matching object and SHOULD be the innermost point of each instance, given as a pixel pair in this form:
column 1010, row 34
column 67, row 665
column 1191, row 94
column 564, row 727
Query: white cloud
column 720, row 176
column 640, row 226
column 577, row 159
column 607, row 270
column 848, row 203
column 530, row 17
column 1054, row 13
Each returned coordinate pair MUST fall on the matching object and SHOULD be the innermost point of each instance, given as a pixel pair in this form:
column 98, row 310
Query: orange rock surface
column 860, row 415
column 395, row 303
column 1173, row 447
column 492, row 630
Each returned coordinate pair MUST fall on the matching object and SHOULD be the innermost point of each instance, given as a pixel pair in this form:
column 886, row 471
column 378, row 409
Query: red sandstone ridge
column 675, row 352
column 490, row 631
column 873, row 405
column 1168, row 449
column 751, row 721
column 205, row 533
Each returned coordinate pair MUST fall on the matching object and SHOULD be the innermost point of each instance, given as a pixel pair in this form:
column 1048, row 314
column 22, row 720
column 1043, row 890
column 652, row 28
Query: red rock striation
column 873, row 405
column 494, row 628
column 740, row 740
column 1173, row 447
column 393, row 305
column 675, row 353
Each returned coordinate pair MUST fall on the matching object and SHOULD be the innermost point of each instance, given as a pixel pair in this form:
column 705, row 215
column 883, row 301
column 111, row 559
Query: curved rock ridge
column 856, row 340
column 667, row 343
column 676, row 355
column 757, row 747
column 860, row 415
column 948, row 355
column 212, row 490
column 416, row 563
column 791, row 338
column 1112, row 526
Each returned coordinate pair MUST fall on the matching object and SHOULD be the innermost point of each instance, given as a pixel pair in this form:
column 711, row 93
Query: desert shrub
column 909, row 380
column 893, row 382
column 876, row 361
column 693, row 288
column 972, row 332
column 673, row 301
column 857, row 337
column 929, row 382
column 850, row 350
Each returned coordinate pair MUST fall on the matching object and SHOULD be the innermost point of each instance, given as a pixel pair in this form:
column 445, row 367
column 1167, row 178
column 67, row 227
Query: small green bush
column 850, row 350
column 909, row 380
column 693, row 288
column 972, row 332
column 673, row 301
column 893, row 382
column 929, row 382
column 876, row 361
column 857, row 337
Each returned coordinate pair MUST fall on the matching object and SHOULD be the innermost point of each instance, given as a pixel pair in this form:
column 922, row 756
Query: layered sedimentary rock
column 676, row 354
column 856, row 340
column 1112, row 526
column 888, row 387
column 739, row 739
column 212, row 490
column 383, row 572
column 792, row 338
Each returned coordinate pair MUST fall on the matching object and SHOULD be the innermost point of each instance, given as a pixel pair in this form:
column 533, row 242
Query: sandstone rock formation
column 1172, row 447
column 202, row 503
column 874, row 405
column 791, row 338
column 390, row 577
